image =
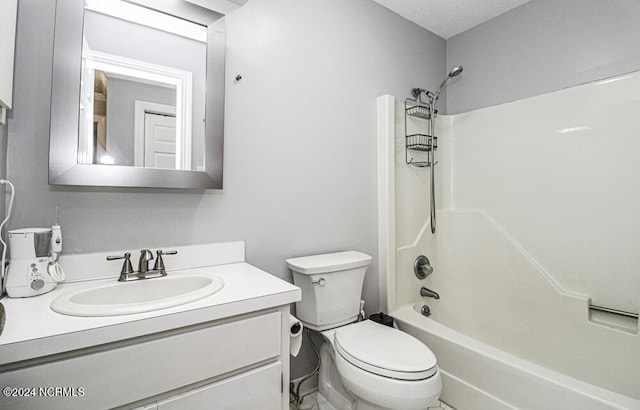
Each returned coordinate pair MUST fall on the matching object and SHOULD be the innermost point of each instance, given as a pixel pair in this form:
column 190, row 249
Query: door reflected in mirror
column 143, row 88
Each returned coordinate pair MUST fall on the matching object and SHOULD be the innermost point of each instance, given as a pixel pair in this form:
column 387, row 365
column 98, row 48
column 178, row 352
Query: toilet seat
column 386, row 367
column 385, row 351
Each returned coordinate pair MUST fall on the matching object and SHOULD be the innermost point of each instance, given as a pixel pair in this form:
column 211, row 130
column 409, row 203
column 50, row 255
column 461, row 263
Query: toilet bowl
column 381, row 367
column 364, row 365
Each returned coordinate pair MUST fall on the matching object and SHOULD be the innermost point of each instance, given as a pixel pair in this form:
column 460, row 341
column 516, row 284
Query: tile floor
column 309, row 403
column 441, row 406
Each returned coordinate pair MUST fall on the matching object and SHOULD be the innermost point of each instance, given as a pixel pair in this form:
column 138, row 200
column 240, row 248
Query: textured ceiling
column 447, row 18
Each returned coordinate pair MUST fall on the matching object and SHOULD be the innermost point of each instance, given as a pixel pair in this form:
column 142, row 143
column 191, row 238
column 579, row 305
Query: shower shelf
column 419, row 164
column 419, row 141
column 418, row 111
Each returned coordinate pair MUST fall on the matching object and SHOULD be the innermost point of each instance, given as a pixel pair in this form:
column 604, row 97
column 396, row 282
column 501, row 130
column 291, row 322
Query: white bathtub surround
column 251, row 302
column 537, row 220
column 497, row 298
column 559, row 173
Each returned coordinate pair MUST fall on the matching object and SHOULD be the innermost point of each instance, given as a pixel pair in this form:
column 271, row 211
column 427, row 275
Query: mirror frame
column 65, row 112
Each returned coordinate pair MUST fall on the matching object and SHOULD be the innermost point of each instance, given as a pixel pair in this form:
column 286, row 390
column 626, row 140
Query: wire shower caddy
column 419, row 142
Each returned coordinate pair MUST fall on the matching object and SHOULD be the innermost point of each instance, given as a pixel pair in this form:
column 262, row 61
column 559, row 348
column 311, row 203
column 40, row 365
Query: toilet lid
column 385, row 351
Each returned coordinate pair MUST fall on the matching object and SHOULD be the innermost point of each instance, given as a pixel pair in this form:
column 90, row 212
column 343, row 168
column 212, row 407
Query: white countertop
column 33, row 330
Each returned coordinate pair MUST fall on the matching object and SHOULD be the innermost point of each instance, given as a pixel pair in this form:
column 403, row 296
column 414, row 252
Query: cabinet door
column 149, row 368
column 257, row 389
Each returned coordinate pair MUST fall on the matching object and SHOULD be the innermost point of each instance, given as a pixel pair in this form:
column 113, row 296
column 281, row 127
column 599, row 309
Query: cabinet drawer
column 134, row 372
column 256, row 389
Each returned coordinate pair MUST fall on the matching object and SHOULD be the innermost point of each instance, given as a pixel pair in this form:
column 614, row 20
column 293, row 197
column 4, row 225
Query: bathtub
column 508, row 333
column 477, row 376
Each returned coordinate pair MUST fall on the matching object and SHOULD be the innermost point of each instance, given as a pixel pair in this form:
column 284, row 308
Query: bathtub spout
column 429, row 293
column 425, row 311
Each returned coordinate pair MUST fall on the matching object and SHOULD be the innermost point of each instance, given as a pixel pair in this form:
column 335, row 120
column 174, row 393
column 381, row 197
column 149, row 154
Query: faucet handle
column 126, row 266
column 159, row 264
column 422, row 267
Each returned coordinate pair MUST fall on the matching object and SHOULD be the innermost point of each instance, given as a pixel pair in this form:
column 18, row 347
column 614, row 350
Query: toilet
column 364, row 365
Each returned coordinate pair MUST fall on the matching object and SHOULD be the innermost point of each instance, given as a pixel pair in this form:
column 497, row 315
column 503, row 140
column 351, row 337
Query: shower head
column 416, row 92
column 453, row 73
column 456, row 70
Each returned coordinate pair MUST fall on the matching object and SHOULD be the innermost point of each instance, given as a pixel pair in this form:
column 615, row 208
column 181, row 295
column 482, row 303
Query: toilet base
column 332, row 395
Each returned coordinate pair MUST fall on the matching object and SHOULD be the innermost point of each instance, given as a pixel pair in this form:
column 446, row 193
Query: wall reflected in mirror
column 143, row 88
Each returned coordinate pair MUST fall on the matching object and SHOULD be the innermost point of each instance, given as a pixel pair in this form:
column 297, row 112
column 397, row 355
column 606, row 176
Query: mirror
column 137, row 95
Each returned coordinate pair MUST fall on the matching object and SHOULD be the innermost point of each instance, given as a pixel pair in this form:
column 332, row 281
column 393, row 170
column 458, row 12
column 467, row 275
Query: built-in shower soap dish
column 615, row 319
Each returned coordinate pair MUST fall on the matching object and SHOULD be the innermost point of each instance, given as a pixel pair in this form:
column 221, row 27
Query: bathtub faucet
column 429, row 293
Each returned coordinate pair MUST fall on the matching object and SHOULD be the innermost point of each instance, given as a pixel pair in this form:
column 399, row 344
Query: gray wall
column 543, row 46
column 3, row 149
column 300, row 147
column 121, row 101
column 3, row 169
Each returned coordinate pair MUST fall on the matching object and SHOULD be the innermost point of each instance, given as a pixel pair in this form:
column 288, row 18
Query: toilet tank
column 331, row 287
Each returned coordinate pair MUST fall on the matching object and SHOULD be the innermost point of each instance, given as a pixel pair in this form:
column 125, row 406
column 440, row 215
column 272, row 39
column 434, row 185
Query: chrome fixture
column 422, row 267
column 426, row 110
column 127, row 273
column 425, row 311
column 159, row 264
column 143, row 262
column 428, row 293
column 457, row 70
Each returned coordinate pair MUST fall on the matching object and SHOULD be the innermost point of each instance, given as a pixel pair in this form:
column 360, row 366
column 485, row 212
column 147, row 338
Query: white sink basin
column 124, row 298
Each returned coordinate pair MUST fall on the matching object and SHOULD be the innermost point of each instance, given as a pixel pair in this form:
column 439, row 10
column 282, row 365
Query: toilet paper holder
column 295, row 335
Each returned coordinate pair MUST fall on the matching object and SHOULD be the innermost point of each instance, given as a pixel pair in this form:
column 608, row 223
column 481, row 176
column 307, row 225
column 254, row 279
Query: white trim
column 157, row 75
column 141, row 108
column 149, row 18
column 386, row 201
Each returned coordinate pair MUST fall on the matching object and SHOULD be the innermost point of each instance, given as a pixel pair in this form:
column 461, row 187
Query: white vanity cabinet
column 228, row 350
column 235, row 363
column 255, row 389
column 8, row 14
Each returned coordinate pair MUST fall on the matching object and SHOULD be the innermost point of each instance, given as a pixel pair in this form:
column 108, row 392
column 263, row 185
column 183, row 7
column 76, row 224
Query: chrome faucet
column 127, row 273
column 428, row 293
column 143, row 262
